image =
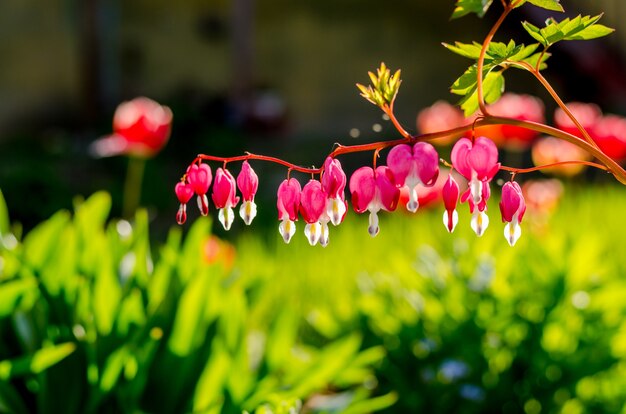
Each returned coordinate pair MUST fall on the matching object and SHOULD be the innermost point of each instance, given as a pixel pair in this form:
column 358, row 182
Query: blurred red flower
column 141, row 128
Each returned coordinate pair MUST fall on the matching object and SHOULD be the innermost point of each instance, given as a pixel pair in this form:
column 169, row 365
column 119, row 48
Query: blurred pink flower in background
column 549, row 150
column 587, row 114
column 440, row 116
column 608, row 131
column 521, row 107
column 610, row 135
column 141, row 128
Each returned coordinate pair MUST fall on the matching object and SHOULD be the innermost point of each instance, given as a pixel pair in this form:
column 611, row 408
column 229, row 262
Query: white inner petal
column 313, row 232
column 512, row 232
column 479, row 222
column 335, row 209
column 455, row 220
column 287, row 229
column 247, row 211
column 373, row 225
column 413, row 204
column 476, row 188
column 324, row 234
column 226, row 216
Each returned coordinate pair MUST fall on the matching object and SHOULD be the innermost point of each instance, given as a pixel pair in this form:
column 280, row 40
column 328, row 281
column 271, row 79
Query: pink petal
column 389, row 193
column 450, row 193
column 362, row 188
column 247, row 182
column 312, row 201
column 459, row 157
column 512, row 201
column 400, row 160
column 483, row 157
column 288, row 201
column 224, row 189
column 184, row 192
column 333, row 179
column 427, row 163
column 199, row 177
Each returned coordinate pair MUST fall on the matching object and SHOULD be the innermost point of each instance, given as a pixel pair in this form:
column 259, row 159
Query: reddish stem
column 608, row 164
column 556, row 164
column 481, row 59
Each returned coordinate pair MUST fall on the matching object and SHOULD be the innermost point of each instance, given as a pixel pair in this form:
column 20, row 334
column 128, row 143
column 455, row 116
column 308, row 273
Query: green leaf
column 4, row 216
column 535, row 32
column 592, row 32
column 113, row 368
column 464, row 7
column 209, row 388
column 12, row 294
column 578, row 28
column 493, row 86
column 372, row 404
column 547, row 4
column 471, row 51
column 36, row 363
column 466, row 83
column 523, row 53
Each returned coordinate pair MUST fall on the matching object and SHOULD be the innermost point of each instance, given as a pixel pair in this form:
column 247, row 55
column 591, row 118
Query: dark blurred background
column 275, row 77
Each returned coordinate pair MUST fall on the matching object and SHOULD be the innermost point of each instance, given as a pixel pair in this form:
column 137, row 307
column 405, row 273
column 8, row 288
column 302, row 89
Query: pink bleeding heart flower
column 588, row 115
column 412, row 166
column 312, row 208
column 450, row 193
column 141, row 128
column 478, row 162
column 224, row 197
column 512, row 208
column 199, row 178
column 334, row 184
column 373, row 190
column 288, row 204
column 248, row 183
column 184, row 192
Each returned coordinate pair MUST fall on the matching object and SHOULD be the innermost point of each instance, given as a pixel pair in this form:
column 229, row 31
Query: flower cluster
column 197, row 180
column 372, row 189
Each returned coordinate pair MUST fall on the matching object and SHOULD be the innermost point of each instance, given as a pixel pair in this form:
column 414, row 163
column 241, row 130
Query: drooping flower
column 224, row 196
column 334, row 184
column 248, row 183
column 412, row 166
column 141, row 128
column 512, row 208
column 199, row 178
column 288, row 204
column 450, row 193
column 478, row 162
column 184, row 192
column 373, row 190
column 312, row 207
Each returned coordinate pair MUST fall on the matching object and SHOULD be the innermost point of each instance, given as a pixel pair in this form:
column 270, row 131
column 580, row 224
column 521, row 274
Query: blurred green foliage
column 89, row 322
column 414, row 320
column 469, row 324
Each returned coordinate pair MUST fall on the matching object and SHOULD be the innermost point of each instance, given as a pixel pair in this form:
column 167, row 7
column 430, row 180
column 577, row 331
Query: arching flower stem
column 606, row 162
